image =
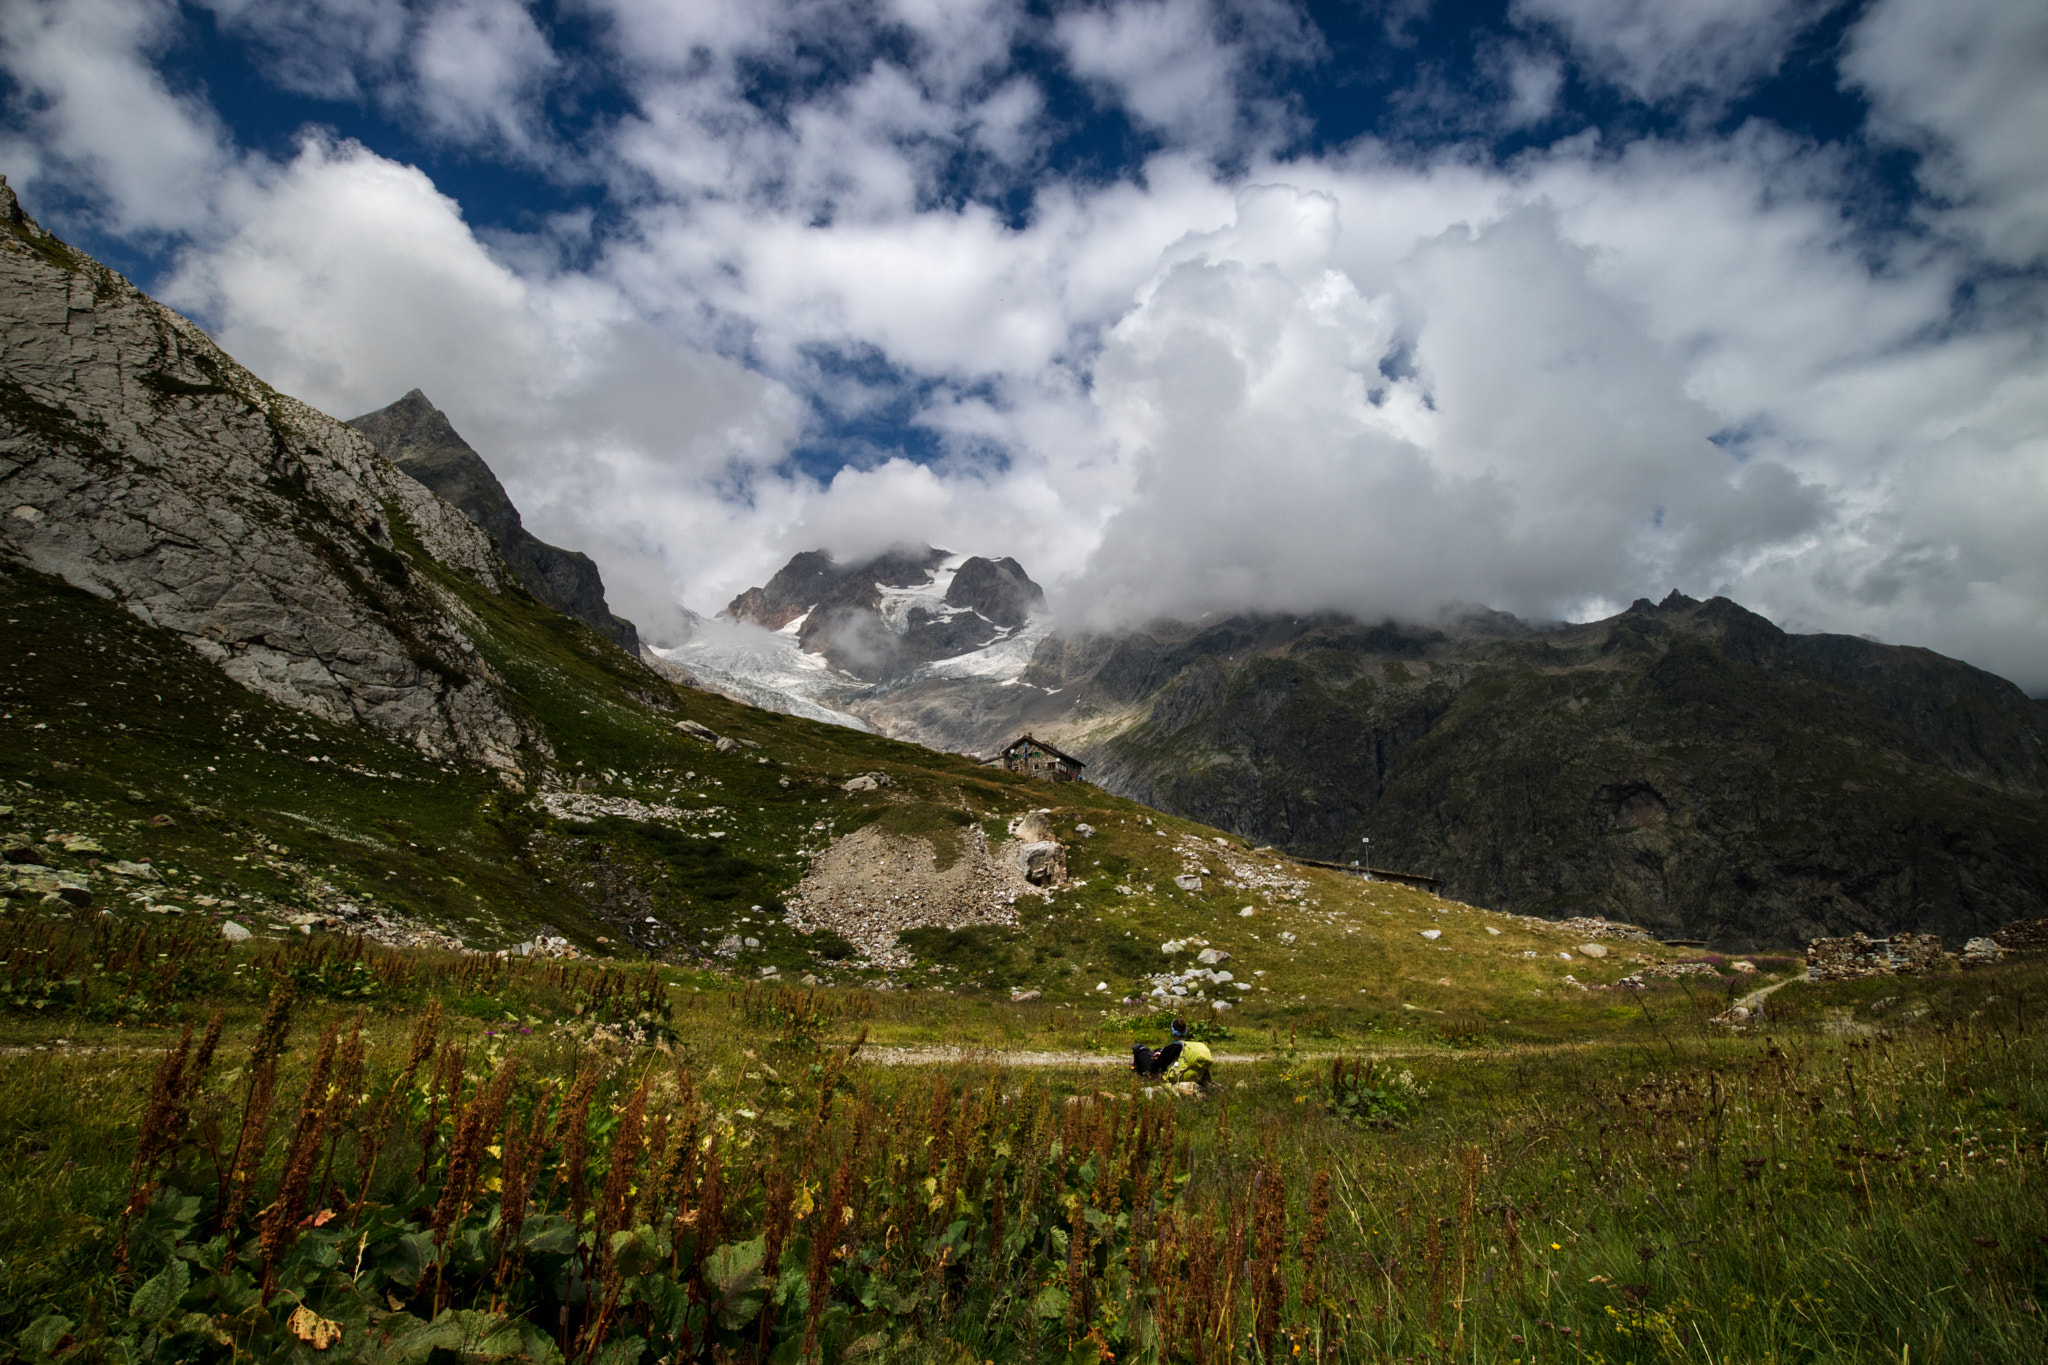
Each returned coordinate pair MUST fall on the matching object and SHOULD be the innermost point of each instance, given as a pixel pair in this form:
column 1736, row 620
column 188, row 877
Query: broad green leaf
column 40, row 1337
column 405, row 1258
column 464, row 1331
column 733, row 1273
column 548, row 1233
column 160, row 1294
column 621, row 1351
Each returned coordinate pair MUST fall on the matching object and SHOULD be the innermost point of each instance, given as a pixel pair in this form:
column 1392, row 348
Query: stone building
column 1036, row 758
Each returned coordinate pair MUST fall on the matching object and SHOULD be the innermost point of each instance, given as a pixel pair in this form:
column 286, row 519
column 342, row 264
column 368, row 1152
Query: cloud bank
column 838, row 275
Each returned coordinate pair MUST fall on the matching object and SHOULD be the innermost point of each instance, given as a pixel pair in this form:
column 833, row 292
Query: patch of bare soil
column 871, row 885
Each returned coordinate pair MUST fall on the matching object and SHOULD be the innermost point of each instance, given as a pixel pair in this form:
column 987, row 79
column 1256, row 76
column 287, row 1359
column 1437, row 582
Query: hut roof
column 1024, row 739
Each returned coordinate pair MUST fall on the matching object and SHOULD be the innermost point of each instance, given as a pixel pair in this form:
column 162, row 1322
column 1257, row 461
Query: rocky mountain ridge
column 142, row 464
column 417, row 437
column 1685, row 765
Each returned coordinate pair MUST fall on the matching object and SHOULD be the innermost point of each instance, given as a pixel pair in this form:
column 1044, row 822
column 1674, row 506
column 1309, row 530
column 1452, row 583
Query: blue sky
column 1192, row 305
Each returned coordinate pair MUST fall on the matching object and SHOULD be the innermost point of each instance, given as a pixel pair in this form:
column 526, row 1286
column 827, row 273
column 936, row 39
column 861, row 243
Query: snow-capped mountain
column 909, row 643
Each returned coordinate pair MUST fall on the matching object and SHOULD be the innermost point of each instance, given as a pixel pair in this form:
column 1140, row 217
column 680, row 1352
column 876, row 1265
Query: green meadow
column 1433, row 1133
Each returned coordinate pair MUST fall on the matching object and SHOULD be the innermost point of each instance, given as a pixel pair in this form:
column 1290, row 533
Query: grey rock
column 417, row 437
column 1209, row 957
column 1432, row 933
column 729, row 946
column 998, row 590
column 703, row 732
column 1188, row 882
column 1085, row 831
column 1286, row 937
column 139, row 871
column 255, row 529
column 1033, row 827
column 1043, row 863
column 1981, row 952
column 31, row 879
column 1594, row 950
column 233, row 932
column 1019, row 997
column 866, row 782
column 727, row 745
column 796, row 587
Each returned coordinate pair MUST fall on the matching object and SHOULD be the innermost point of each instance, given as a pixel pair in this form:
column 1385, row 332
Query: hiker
column 1183, row 1059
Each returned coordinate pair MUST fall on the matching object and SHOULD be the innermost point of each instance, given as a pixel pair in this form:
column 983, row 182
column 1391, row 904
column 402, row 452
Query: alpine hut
column 1036, row 758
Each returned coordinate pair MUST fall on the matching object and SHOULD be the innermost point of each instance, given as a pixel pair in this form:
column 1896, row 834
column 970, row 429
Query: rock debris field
column 871, row 886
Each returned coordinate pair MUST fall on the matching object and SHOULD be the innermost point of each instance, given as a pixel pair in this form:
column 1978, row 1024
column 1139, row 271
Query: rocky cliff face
column 417, row 437
column 1686, row 765
column 142, row 464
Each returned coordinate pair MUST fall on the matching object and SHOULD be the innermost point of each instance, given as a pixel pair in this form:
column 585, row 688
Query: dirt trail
column 981, row 1056
column 1756, row 997
column 938, row 1055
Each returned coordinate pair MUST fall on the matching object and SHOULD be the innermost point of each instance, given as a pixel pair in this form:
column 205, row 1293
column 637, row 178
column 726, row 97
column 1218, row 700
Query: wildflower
column 1557, row 1246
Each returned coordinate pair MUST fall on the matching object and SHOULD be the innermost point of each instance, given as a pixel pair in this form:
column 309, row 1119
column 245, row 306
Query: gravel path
column 932, row 1056
column 1756, row 997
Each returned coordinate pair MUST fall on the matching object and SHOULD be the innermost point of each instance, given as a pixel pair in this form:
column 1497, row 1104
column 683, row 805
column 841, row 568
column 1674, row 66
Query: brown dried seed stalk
column 781, row 1199
column 1077, row 1253
column 442, row 1093
column 832, row 1218
column 240, row 1170
column 710, row 1211
column 522, row 1157
column 276, row 1025
column 1268, row 1284
column 1312, row 1240
column 572, row 1134
column 613, row 1205
column 473, row 1128
column 160, row 1127
column 661, row 1158
column 280, row 1225
column 343, row 1096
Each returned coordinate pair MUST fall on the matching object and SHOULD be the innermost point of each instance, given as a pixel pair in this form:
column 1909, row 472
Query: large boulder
column 1043, row 863
column 1033, row 827
column 29, row 879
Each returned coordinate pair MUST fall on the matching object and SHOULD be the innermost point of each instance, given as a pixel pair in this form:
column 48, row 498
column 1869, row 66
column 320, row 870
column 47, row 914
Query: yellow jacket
column 1193, row 1063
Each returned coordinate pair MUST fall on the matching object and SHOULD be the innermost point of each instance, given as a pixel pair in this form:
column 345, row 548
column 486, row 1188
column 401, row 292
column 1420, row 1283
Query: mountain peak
column 418, row 437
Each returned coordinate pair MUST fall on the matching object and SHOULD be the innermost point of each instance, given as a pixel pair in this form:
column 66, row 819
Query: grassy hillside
column 249, row 810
